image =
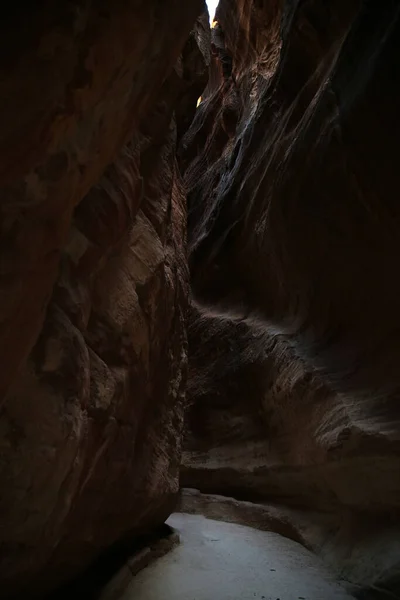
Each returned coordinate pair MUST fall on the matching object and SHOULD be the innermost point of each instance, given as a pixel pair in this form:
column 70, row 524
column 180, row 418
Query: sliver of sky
column 212, row 7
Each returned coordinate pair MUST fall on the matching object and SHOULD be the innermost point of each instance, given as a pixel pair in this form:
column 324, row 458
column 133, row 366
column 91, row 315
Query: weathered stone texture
column 293, row 249
column 93, row 279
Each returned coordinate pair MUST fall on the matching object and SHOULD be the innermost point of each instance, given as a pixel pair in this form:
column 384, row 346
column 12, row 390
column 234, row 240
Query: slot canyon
column 200, row 370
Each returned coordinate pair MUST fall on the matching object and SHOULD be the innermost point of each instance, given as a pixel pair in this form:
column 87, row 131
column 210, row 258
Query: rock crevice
column 224, row 276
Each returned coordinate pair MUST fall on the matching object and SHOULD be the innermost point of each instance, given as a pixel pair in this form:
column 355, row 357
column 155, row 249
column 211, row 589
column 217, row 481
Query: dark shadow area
column 91, row 583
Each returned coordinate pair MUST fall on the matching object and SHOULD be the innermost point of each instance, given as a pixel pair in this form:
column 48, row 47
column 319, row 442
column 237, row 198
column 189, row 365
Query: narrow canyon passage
column 199, row 300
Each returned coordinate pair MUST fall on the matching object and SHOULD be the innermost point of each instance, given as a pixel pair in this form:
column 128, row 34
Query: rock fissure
column 200, row 295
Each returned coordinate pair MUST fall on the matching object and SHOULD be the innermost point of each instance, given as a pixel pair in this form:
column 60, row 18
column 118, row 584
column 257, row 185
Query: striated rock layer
column 293, row 217
column 290, row 163
column 293, row 213
column 93, row 278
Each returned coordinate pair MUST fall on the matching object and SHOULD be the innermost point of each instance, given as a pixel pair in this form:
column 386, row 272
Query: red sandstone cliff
column 290, row 175
column 292, row 180
column 94, row 281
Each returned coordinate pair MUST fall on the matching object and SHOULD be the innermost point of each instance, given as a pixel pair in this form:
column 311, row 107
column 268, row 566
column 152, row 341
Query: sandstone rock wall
column 293, row 216
column 290, row 165
column 295, row 208
column 292, row 213
column 94, row 279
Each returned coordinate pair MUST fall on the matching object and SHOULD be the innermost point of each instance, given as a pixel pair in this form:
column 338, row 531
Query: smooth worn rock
column 260, row 425
column 290, row 164
column 293, row 216
column 292, row 178
column 261, row 428
column 93, row 279
column 300, row 526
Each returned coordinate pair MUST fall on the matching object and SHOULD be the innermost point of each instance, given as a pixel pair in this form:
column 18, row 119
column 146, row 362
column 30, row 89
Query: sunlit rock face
column 94, row 278
column 293, row 248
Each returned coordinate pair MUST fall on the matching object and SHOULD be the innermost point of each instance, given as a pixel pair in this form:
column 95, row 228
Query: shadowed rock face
column 293, row 247
column 293, row 250
column 295, row 217
column 93, row 278
column 263, row 426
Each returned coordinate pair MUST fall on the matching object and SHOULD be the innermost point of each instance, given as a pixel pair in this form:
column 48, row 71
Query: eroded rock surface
column 93, row 279
column 262, row 425
column 295, row 212
column 291, row 169
column 292, row 177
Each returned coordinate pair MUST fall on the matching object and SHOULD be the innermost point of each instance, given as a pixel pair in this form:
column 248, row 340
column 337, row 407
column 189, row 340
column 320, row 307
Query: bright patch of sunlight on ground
column 212, row 7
